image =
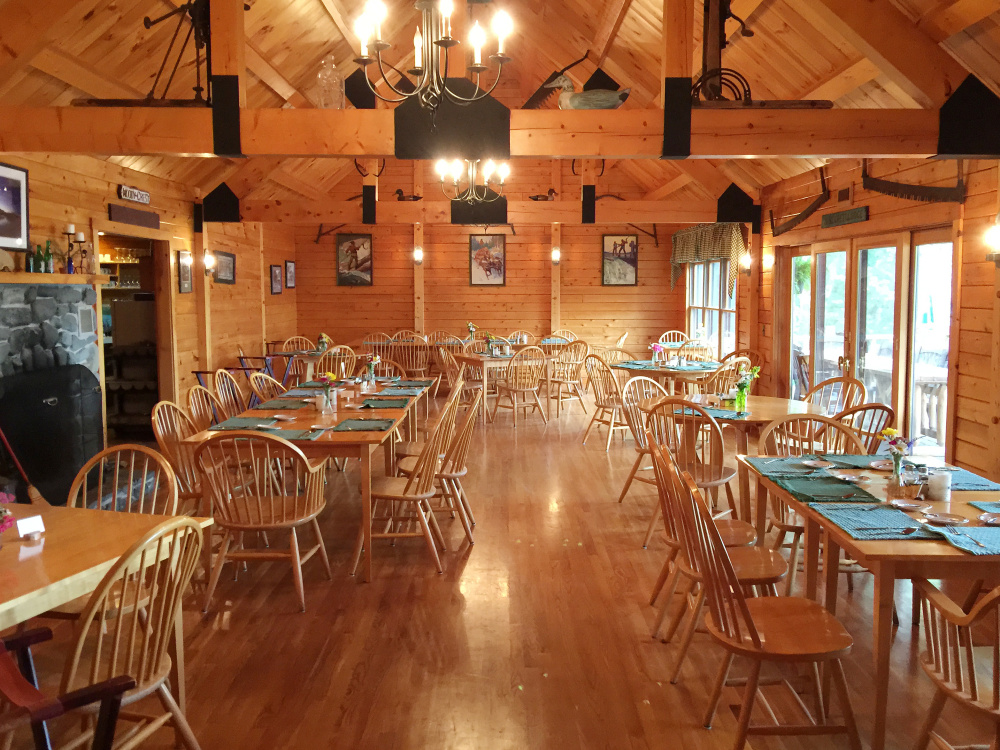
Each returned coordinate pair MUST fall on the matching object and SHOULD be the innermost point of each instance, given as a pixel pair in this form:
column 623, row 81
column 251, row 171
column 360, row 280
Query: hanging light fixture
column 431, row 44
column 475, row 191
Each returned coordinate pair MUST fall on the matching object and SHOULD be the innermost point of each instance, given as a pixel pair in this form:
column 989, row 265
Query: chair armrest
column 71, row 701
column 27, row 639
column 951, row 611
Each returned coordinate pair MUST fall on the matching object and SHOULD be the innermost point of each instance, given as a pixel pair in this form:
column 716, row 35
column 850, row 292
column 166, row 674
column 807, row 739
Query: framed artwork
column 354, row 260
column 487, row 260
column 275, row 279
column 13, row 208
column 184, row 263
column 620, row 260
column 289, row 274
column 225, row 268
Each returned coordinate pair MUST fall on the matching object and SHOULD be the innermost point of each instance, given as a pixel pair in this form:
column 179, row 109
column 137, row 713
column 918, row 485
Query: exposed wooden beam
column 343, row 23
column 705, row 174
column 229, row 42
column 843, row 80
column 243, row 176
column 261, row 67
column 25, row 26
column 904, row 53
column 78, row 74
column 668, row 188
column 439, row 212
column 678, row 39
column 952, row 18
column 308, row 132
column 607, row 27
column 297, row 185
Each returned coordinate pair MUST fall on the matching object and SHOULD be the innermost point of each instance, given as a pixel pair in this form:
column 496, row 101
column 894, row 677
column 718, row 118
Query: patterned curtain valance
column 720, row 241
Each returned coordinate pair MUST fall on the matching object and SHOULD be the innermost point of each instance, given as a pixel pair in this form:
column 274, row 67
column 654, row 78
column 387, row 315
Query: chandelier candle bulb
column 418, row 49
column 477, row 38
column 376, row 12
column 504, row 172
column 447, row 7
column 503, row 25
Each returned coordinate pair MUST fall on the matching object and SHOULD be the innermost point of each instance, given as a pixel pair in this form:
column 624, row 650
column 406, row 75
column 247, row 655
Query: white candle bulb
column 441, row 168
column 79, row 237
column 363, row 28
column 456, row 170
column 504, row 172
column 503, row 25
column 477, row 38
column 418, row 49
column 70, row 229
column 488, row 169
column 447, row 7
column 376, row 11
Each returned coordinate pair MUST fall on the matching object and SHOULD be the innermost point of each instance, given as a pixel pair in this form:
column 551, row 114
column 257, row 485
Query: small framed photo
column 487, row 260
column 620, row 260
column 225, row 268
column 13, row 208
column 289, row 274
column 354, row 260
column 275, row 279
column 184, row 263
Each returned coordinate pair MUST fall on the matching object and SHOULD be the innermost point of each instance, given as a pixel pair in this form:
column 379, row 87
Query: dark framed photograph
column 13, row 208
column 620, row 260
column 225, row 267
column 354, row 260
column 289, row 274
column 184, row 263
column 275, row 279
column 487, row 260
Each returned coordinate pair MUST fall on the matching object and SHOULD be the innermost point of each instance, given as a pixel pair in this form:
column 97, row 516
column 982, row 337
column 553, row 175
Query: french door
column 877, row 309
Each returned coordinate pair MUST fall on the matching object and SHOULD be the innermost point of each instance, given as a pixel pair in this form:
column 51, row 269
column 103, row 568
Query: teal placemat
column 415, row 383
column 849, row 461
column 364, row 425
column 242, row 423
column 694, row 367
column 823, row 489
column 316, row 384
column 554, row 341
column 880, row 521
column 784, row 466
column 717, row 413
column 281, row 403
column 299, row 393
column 400, row 392
column 637, row 364
column 385, row 403
column 386, row 378
column 966, row 481
column 965, row 538
column 986, row 506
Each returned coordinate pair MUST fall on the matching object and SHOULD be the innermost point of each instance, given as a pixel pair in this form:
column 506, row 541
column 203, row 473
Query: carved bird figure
column 401, row 196
column 594, row 99
column 549, row 196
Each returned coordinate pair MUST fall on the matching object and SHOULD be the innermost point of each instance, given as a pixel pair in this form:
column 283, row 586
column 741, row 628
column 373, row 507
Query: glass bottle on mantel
column 331, row 84
column 29, row 261
column 50, row 266
column 40, row 261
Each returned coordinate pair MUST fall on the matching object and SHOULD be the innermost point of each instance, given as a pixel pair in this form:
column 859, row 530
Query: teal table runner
column 281, row 404
column 716, row 413
column 400, row 392
column 414, row 383
column 823, row 489
column 364, row 425
column 243, row 423
column 385, row 403
column 870, row 522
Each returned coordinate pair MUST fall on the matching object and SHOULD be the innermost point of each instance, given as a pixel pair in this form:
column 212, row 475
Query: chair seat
column 256, row 522
column 757, row 565
column 736, row 533
column 407, row 448
column 710, row 476
column 791, row 628
column 393, row 488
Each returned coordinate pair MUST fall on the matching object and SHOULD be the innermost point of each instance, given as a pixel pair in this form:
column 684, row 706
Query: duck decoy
column 549, row 196
column 593, row 99
column 401, row 196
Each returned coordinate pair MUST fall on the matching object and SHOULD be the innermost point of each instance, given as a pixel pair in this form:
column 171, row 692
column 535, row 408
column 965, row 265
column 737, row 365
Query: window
column 711, row 312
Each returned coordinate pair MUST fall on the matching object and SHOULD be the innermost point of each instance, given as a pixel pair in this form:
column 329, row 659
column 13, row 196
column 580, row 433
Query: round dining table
column 761, row 411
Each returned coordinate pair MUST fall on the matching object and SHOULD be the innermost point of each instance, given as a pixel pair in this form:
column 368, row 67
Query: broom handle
column 17, row 463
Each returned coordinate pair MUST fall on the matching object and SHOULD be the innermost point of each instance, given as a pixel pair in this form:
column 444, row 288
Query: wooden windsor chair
column 564, row 333
column 756, row 360
column 386, row 368
column 774, row 629
column 835, row 395
column 442, row 340
column 414, row 356
column 265, row 387
column 723, row 380
column 637, row 390
column 452, row 372
column 756, row 568
column 567, row 372
column 523, row 377
column 262, row 483
column 800, row 435
column 340, row 360
column 520, row 336
column 171, row 426
column 399, row 501
column 696, row 351
column 673, row 337
column 405, row 334
column 607, row 398
column 868, row 421
column 229, row 392
column 295, row 369
column 413, row 448
column 378, row 343
column 204, row 407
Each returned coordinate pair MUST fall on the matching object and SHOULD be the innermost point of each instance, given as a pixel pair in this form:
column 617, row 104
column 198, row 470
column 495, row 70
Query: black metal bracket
column 321, row 233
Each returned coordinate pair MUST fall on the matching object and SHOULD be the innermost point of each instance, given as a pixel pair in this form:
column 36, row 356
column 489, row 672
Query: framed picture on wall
column 620, row 260
column 13, row 208
column 275, row 279
column 184, row 262
column 289, row 274
column 225, row 268
column 487, row 260
column 354, row 260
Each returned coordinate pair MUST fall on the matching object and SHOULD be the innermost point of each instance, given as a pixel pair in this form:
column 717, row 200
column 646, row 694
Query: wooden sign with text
column 128, row 193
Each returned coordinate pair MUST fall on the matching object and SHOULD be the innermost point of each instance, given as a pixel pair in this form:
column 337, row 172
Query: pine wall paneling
column 281, row 311
column 237, row 309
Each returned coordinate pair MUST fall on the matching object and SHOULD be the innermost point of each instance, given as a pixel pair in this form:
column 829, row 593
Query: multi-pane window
column 711, row 312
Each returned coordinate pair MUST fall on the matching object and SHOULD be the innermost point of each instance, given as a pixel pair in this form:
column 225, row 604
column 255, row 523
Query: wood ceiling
column 102, row 49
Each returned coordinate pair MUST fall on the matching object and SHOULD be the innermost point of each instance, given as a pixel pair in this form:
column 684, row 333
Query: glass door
column 800, row 326
column 874, row 355
column 830, row 335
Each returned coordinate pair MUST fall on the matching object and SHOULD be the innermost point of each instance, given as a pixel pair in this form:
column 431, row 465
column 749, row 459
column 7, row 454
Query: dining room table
column 360, row 421
column 886, row 529
column 668, row 371
column 488, row 363
column 69, row 560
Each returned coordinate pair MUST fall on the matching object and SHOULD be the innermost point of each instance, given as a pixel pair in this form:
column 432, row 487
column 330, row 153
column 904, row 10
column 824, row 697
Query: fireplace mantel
column 80, row 279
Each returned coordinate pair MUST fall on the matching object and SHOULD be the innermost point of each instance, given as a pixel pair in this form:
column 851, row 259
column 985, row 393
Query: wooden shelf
column 80, row 279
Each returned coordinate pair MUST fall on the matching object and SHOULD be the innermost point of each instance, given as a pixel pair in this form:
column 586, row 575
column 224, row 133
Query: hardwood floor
column 535, row 637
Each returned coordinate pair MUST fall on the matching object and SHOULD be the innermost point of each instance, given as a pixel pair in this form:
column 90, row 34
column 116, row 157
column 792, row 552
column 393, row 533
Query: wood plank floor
column 535, row 637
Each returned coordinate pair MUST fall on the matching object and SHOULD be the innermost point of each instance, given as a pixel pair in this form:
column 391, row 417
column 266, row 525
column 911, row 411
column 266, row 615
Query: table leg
column 885, row 588
column 760, row 515
column 366, row 510
column 485, row 386
column 310, row 370
column 176, row 651
column 411, row 423
column 548, row 389
column 810, row 554
column 743, row 446
column 831, row 571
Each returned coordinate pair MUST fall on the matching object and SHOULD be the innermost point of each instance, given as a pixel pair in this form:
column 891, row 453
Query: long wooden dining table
column 693, row 372
column 342, row 444
column 488, row 363
column 887, row 560
column 78, row 548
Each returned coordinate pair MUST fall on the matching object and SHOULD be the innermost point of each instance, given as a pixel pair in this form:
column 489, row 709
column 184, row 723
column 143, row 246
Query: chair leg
column 749, row 696
column 463, row 495
column 579, row 396
column 358, row 549
column 652, row 524
column 793, row 562
column 178, row 719
column 720, row 682
column 541, row 411
column 675, row 621
column 322, row 549
column 611, row 429
column 213, row 580
column 297, row 569
column 937, row 705
column 463, row 514
column 590, row 425
column 732, row 501
column 631, row 476
column 688, row 635
column 429, row 538
column 664, row 574
column 840, row 684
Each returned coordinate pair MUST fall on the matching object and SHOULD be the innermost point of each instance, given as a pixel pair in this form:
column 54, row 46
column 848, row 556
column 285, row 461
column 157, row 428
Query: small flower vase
column 369, row 378
column 897, row 469
column 656, row 357
column 326, row 402
column 741, row 399
column 321, row 346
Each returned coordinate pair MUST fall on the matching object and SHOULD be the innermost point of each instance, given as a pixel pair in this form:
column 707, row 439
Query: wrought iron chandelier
column 431, row 45
column 486, row 191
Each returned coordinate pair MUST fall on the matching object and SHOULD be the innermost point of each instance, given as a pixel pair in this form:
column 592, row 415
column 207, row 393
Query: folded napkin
column 385, row 403
column 299, row 434
column 280, row 404
column 716, row 413
column 824, row 489
column 364, row 425
column 400, row 392
column 242, row 423
column 873, row 522
column 414, row 383
column 965, row 538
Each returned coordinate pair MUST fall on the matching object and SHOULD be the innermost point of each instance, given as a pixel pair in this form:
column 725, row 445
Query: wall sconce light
column 992, row 240
column 746, row 260
column 556, row 256
column 767, row 261
column 418, row 256
column 209, row 260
